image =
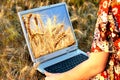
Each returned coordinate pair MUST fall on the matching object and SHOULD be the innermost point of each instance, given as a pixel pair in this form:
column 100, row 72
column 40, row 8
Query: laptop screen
column 47, row 30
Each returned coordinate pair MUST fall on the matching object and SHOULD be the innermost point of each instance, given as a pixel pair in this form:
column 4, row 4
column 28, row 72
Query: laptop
column 50, row 38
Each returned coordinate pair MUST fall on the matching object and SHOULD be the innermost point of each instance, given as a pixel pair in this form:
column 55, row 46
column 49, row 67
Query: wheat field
column 15, row 61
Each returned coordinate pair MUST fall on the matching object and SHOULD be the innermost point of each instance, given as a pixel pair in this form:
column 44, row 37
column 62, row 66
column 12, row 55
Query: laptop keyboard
column 66, row 64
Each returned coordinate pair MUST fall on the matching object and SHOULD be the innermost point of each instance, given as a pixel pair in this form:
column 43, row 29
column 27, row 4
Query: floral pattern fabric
column 107, row 38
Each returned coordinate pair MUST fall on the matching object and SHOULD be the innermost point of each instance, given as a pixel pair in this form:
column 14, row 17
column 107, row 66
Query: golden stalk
column 44, row 40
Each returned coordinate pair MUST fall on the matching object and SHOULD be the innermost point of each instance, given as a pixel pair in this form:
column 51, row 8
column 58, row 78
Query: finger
column 46, row 78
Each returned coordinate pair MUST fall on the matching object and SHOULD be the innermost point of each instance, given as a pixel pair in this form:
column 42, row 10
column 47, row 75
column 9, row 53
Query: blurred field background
column 15, row 61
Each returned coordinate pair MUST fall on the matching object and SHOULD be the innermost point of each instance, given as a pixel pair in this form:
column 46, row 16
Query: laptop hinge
column 51, row 56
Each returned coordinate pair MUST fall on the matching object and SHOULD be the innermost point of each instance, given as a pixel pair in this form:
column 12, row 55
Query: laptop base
column 66, row 64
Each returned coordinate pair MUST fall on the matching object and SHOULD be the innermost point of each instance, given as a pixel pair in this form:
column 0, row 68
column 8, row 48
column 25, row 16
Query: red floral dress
column 107, row 38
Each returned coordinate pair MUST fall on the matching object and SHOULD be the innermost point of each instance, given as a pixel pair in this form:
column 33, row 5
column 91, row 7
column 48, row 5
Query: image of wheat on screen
column 48, row 37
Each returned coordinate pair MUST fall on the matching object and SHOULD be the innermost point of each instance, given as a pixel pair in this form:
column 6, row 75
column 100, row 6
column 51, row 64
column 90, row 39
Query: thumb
column 48, row 73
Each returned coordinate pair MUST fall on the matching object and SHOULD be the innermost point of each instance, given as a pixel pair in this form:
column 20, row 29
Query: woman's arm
column 97, row 61
column 87, row 69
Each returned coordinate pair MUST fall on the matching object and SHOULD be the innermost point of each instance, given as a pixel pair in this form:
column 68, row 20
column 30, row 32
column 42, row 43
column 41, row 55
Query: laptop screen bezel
column 56, row 53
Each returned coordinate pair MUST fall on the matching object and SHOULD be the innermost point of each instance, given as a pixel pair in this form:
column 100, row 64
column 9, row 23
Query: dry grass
column 15, row 61
column 16, row 65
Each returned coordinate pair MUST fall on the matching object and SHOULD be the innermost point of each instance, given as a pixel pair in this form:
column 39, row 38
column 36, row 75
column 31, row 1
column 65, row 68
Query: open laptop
column 50, row 38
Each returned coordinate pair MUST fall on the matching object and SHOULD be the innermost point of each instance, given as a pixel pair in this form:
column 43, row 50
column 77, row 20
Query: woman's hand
column 55, row 76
